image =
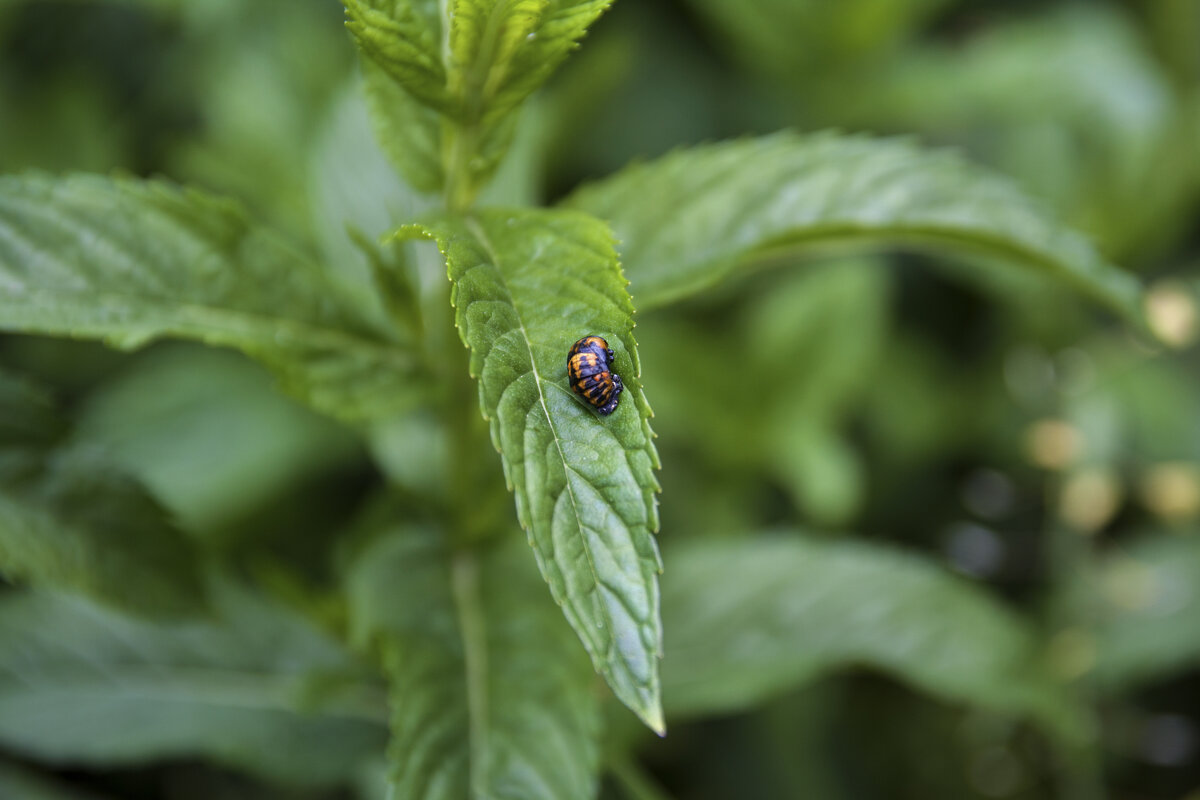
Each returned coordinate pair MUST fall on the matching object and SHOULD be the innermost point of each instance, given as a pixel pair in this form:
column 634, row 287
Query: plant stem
column 458, row 149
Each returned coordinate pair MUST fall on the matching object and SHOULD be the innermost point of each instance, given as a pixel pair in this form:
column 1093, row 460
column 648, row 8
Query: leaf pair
column 443, row 88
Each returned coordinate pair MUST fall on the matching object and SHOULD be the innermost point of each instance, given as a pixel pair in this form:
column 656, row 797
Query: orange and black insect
column 589, row 370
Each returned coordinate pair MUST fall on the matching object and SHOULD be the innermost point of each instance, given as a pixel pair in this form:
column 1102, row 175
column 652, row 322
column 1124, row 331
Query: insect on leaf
column 527, row 285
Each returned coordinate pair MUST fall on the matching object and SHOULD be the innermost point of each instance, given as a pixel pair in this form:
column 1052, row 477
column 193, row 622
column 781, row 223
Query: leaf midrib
column 478, row 231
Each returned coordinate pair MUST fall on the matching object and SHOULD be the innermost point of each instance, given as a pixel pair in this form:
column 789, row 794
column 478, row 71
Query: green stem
column 459, row 143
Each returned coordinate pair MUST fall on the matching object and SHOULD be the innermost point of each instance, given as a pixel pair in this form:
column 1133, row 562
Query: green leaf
column 26, row 784
column 259, row 692
column 409, row 133
column 27, row 413
column 207, row 433
column 404, row 38
column 491, row 695
column 692, row 218
column 527, row 285
column 129, row 261
column 1148, row 603
column 352, row 187
column 503, row 50
column 496, row 53
column 749, row 619
column 72, row 520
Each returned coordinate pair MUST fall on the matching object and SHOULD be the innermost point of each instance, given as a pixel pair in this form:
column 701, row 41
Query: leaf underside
column 688, row 220
column 526, row 286
column 751, row 618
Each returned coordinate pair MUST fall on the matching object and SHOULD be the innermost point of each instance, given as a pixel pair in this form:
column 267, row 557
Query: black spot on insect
column 589, row 371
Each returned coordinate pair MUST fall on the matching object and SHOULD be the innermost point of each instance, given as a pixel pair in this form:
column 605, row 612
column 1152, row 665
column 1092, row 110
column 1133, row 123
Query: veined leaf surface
column 688, row 220
column 527, row 285
column 491, row 694
column 750, row 619
column 128, row 261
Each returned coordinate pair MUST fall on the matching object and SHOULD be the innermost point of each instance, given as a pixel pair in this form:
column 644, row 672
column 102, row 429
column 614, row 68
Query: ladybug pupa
column 589, row 371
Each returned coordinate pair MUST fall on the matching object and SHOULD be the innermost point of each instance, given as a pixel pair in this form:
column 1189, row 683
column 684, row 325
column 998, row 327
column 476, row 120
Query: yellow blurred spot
column 1090, row 498
column 1129, row 584
column 1171, row 312
column 1071, row 653
column 1171, row 490
column 1052, row 443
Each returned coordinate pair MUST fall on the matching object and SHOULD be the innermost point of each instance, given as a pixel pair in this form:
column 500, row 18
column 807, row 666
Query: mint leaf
column 688, row 220
column 404, row 38
column 82, row 685
column 503, row 50
column 208, row 434
column 496, row 53
column 527, row 285
column 28, row 416
column 409, row 133
column 71, row 519
column 752, row 618
column 129, row 261
column 491, row 695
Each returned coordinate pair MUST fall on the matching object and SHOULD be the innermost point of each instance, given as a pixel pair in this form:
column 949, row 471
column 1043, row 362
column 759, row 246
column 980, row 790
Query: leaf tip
column 653, row 717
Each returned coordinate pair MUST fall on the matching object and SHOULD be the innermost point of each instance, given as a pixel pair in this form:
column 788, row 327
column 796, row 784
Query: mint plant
column 474, row 648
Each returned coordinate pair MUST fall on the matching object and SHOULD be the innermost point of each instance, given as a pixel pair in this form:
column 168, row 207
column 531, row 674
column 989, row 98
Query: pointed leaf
column 403, row 37
column 491, row 695
column 82, row 685
column 503, row 50
column 750, row 619
column 129, row 261
column 408, row 132
column 527, row 285
column 690, row 219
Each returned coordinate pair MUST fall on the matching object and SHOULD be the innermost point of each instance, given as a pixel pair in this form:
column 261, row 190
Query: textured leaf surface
column 82, row 685
column 527, row 285
column 496, row 53
column 403, row 37
column 688, row 220
column 128, row 261
column 503, row 50
column 491, row 695
column 749, row 619
column 1150, row 599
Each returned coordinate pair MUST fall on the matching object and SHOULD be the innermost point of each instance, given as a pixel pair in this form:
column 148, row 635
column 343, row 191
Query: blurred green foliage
column 225, row 586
